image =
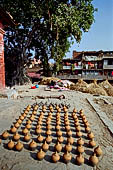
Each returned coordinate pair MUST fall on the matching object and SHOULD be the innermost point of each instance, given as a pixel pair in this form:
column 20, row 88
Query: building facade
column 88, row 65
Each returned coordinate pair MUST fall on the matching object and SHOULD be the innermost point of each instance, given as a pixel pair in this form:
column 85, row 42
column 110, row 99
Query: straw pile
column 107, row 87
column 47, row 80
column 79, row 86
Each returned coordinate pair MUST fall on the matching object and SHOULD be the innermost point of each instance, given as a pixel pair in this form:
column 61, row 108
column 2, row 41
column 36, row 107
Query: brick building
column 5, row 20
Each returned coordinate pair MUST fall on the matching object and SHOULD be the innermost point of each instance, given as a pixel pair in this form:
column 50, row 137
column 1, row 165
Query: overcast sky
column 100, row 35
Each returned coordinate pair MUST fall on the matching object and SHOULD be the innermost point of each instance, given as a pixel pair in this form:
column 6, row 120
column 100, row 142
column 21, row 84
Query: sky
column 100, row 35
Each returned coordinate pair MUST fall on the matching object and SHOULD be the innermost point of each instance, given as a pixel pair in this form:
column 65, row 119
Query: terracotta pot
column 28, row 121
column 32, row 117
column 40, row 154
column 19, row 146
column 93, row 159
column 40, row 138
column 98, row 151
column 49, row 127
column 80, row 141
column 78, row 128
column 59, row 110
column 16, row 125
column 80, row 149
column 19, row 121
column 48, row 139
column 90, row 135
column 16, row 136
column 5, row 135
column 48, row 132
column 28, row 126
column 13, row 129
column 74, row 110
column 58, row 127
column 27, row 137
column 38, row 131
column 80, row 159
column 60, row 139
column 92, row 143
column 67, row 128
column 69, row 133
column 86, row 124
column 55, row 157
column 25, row 131
column 59, row 133
column 87, row 129
column 78, row 133
column 70, row 140
column 34, row 112
column 45, row 146
column 67, row 157
column 58, row 147
column 68, row 147
column 32, row 145
column 21, row 117
column 10, row 144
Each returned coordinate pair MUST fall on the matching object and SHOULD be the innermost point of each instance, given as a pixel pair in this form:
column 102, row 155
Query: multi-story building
column 88, row 65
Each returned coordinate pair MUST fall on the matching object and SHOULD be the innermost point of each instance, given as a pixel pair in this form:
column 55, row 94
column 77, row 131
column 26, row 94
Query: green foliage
column 46, row 26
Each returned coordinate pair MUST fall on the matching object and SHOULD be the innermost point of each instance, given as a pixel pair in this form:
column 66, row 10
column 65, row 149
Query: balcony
column 66, row 67
column 107, row 66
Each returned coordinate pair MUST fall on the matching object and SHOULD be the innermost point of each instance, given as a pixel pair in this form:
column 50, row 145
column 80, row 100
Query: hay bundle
column 107, row 87
column 94, row 88
column 79, row 86
column 47, row 80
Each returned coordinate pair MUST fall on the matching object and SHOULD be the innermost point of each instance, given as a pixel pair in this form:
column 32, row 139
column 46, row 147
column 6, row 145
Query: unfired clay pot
column 40, row 138
column 68, row 147
column 80, row 159
column 45, row 146
column 27, row 137
column 16, row 125
column 40, row 154
column 98, row 151
column 25, row 131
column 90, row 135
column 13, row 129
column 5, row 134
column 67, row 157
column 92, row 143
column 32, row 145
column 78, row 133
column 93, row 159
column 16, row 136
column 48, row 139
column 60, row 139
column 80, row 149
column 55, row 157
column 10, row 144
column 70, row 140
column 19, row 146
column 58, row 147
column 80, row 141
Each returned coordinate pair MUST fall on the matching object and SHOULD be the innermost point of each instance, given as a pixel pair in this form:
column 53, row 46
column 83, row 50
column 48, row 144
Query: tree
column 45, row 26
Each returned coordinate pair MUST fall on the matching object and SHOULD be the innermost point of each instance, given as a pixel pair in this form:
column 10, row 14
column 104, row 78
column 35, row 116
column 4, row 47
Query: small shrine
column 5, row 20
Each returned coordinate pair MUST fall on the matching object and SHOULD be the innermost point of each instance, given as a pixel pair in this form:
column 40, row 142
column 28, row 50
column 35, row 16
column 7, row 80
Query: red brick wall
column 2, row 65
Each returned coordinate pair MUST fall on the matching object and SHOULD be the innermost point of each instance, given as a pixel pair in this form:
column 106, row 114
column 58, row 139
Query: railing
column 85, row 77
column 107, row 66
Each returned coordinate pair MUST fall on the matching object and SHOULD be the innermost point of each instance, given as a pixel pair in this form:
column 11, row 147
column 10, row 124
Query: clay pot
column 13, row 129
column 27, row 137
column 59, row 133
column 78, row 133
column 48, row 132
column 5, row 134
column 40, row 138
column 80, row 149
column 28, row 121
column 69, row 133
column 92, row 143
column 38, row 131
column 68, row 147
column 32, row 145
column 86, row 124
column 45, row 146
column 55, row 157
column 90, row 135
column 19, row 121
column 98, row 151
column 67, row 128
column 67, row 157
column 10, row 145
column 70, row 140
column 16, row 125
column 58, row 127
column 59, row 110
column 74, row 110
column 48, row 139
column 80, row 159
column 80, row 141
column 78, row 128
column 87, row 129
column 16, row 136
column 40, row 154
column 49, row 127
column 77, row 123
column 25, row 131
column 58, row 147
column 65, row 109
column 60, row 139
column 32, row 117
column 28, row 126
column 21, row 117
column 19, row 146
column 93, row 159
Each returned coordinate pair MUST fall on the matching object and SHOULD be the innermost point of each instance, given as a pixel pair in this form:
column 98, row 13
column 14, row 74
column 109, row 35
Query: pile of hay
column 47, row 80
column 107, row 87
column 79, row 86
column 94, row 88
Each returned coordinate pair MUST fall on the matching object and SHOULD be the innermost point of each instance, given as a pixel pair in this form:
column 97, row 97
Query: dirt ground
column 11, row 109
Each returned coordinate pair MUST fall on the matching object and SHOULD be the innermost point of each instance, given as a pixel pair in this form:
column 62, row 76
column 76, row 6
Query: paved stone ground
column 10, row 109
